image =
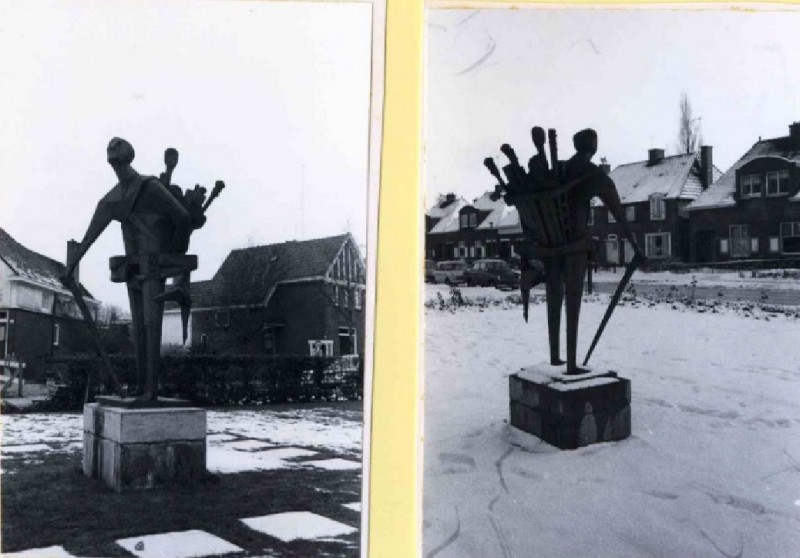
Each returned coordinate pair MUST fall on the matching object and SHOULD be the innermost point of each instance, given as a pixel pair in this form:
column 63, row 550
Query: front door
column 628, row 249
column 612, row 250
column 705, row 246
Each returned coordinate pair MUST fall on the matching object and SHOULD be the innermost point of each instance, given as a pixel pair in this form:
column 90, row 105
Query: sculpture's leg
column 139, row 339
column 574, row 271
column 554, row 290
column 153, row 314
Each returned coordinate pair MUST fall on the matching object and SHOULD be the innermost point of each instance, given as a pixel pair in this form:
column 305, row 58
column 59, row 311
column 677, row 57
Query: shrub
column 221, row 380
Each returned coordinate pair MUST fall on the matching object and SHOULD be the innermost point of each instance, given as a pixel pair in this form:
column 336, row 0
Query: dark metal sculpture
column 553, row 204
column 157, row 221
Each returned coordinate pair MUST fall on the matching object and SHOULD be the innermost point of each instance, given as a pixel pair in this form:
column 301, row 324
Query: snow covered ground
column 238, row 441
column 712, row 467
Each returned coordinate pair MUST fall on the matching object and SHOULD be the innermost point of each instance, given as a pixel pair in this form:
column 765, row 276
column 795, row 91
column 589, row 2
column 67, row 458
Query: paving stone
column 334, row 464
column 291, row 526
column 178, row 544
column 48, row 552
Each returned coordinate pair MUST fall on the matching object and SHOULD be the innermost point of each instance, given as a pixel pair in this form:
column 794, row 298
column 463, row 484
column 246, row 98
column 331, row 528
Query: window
column 462, row 249
column 657, row 245
column 778, row 183
column 473, row 220
column 740, row 241
column 630, row 213
column 658, row 210
column 750, row 185
column 56, row 334
column 222, row 319
column 357, row 299
column 479, row 249
column 790, row 238
column 591, row 216
column 347, row 341
column 336, row 295
column 203, row 340
column 322, row 348
column 774, row 244
column 611, row 217
column 723, row 245
column 269, row 341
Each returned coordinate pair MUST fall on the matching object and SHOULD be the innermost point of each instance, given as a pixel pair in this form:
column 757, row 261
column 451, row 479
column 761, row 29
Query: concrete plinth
column 570, row 411
column 134, row 448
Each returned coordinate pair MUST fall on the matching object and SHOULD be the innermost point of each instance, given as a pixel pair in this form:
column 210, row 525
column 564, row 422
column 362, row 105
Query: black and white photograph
column 187, row 223
column 612, row 282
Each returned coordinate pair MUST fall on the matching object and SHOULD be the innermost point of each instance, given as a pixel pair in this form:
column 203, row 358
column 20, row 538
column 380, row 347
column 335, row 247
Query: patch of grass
column 53, row 503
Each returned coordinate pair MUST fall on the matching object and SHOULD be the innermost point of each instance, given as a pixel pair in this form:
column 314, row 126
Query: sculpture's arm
column 100, row 220
column 607, row 192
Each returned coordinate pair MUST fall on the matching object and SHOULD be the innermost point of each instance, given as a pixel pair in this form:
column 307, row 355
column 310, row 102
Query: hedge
column 207, row 380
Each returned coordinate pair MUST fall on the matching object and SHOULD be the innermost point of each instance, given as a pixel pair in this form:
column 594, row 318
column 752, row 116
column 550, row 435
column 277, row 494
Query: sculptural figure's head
column 171, row 157
column 120, row 152
column 585, row 142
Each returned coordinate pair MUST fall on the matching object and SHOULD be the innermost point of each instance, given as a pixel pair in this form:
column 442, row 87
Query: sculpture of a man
column 554, row 207
column 156, row 227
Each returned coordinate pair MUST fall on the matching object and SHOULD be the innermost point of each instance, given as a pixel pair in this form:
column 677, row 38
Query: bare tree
column 689, row 134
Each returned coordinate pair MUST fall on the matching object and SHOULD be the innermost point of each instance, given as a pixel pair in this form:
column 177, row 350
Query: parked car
column 430, row 267
column 493, row 273
column 449, row 273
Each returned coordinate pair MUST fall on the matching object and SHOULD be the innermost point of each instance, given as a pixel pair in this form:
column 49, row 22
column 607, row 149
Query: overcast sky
column 271, row 97
column 493, row 74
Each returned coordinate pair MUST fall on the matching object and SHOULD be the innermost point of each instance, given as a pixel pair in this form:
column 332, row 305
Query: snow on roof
column 449, row 222
column 720, row 193
column 31, row 265
column 442, row 209
column 501, row 218
column 676, row 177
column 486, row 203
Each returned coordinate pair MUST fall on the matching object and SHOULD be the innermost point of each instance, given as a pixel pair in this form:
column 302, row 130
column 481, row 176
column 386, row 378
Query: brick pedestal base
column 143, row 448
column 570, row 411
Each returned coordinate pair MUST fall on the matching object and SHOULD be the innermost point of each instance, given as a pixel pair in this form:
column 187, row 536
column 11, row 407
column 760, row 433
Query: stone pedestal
column 570, row 411
column 140, row 448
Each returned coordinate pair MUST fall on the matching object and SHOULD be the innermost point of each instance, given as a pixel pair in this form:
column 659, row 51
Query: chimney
column 794, row 133
column 706, row 166
column 654, row 156
column 604, row 166
column 72, row 250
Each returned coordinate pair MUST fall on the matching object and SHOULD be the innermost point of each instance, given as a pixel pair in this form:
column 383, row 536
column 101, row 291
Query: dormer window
column 778, row 183
column 750, row 185
column 468, row 220
column 658, row 210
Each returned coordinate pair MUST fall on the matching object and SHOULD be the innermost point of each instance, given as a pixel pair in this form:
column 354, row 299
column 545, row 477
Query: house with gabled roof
column 655, row 194
column 485, row 228
column 752, row 212
column 291, row 298
column 39, row 318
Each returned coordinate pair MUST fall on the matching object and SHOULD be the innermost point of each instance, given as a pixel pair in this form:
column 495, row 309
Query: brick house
column 292, row 298
column 655, row 194
column 485, row 228
column 752, row 212
column 39, row 319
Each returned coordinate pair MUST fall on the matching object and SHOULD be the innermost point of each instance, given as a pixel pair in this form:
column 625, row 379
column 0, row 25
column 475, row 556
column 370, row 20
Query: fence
column 221, row 380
